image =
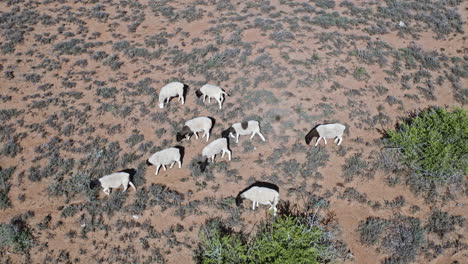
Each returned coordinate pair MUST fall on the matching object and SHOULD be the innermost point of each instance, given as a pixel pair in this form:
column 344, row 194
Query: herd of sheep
column 259, row 192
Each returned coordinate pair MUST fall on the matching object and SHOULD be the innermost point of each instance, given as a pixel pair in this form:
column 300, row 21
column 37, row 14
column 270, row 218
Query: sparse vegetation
column 79, row 100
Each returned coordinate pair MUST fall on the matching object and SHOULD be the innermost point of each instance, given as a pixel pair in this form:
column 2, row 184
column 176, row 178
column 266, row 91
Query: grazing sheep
column 212, row 91
column 260, row 193
column 215, row 147
column 326, row 131
column 166, row 157
column 170, row 90
column 114, row 180
column 199, row 124
column 244, row 128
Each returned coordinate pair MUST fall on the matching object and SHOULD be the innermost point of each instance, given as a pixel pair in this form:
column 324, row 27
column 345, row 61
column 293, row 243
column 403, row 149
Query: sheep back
column 199, row 124
column 331, row 130
column 114, row 180
column 165, row 156
column 262, row 195
column 215, row 147
column 170, row 90
column 246, row 128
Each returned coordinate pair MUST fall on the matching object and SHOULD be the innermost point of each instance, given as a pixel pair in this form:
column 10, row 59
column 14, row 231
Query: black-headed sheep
column 166, row 157
column 217, row 146
column 326, row 131
column 193, row 126
column 260, row 193
column 114, row 180
column 212, row 91
column 170, row 90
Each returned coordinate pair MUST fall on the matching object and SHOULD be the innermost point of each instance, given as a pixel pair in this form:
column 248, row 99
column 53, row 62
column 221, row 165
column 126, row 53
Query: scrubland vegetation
column 78, row 100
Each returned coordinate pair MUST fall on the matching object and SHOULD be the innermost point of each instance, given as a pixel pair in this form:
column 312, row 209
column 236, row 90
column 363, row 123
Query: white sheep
column 193, row 126
column 170, row 90
column 244, row 128
column 114, row 180
column 212, row 91
column 166, row 157
column 260, row 195
column 215, row 147
column 326, row 131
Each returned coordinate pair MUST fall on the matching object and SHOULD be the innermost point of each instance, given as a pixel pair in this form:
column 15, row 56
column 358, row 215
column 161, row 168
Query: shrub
column 442, row 223
column 402, row 237
column 286, row 239
column 432, row 144
column 16, row 235
column 5, row 175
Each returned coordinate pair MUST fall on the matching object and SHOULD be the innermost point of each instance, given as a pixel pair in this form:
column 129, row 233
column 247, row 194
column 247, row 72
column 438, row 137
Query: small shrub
column 442, row 223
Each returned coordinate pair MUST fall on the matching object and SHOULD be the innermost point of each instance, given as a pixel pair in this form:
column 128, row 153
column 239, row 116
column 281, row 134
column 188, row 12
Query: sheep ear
column 245, row 124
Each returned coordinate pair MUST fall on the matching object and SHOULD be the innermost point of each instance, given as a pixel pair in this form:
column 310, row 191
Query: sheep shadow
column 131, row 172
column 262, row 184
column 186, row 90
column 182, row 153
column 213, row 123
column 312, row 133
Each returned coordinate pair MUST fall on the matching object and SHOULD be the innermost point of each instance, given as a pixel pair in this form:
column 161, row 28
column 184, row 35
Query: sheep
column 212, row 91
column 195, row 125
column 260, row 193
column 215, row 147
column 114, row 180
column 166, row 157
column 243, row 128
column 326, row 131
column 170, row 90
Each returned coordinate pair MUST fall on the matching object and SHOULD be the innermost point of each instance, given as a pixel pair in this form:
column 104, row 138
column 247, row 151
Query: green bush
column 432, row 144
column 284, row 240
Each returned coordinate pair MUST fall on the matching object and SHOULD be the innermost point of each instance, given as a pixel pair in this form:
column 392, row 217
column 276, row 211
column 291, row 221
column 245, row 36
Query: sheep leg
column 157, row 169
column 180, row 164
column 229, row 154
column 125, row 187
column 207, row 133
column 209, row 99
column 231, row 135
column 339, row 142
column 213, row 158
column 131, row 184
column 220, row 103
column 222, row 154
column 203, row 98
column 237, row 138
column 106, row 191
column 172, row 164
column 196, row 135
column 253, row 205
column 325, row 140
column 318, row 140
column 253, row 134
column 181, row 97
column 260, row 134
column 164, row 167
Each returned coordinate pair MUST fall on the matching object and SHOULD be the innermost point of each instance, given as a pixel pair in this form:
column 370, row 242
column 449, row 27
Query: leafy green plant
column 432, row 144
column 286, row 239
